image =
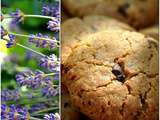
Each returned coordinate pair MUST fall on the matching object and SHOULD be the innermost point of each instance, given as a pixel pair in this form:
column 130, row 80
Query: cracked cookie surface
column 95, row 90
column 138, row 13
column 72, row 36
column 75, row 29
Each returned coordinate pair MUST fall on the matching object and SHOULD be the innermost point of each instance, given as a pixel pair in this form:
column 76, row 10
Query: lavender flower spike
column 10, row 95
column 51, row 63
column 3, row 32
column 31, row 79
column 52, row 116
column 49, row 91
column 54, row 25
column 43, row 41
column 38, row 107
column 13, row 112
column 11, row 41
column 18, row 16
column 51, row 10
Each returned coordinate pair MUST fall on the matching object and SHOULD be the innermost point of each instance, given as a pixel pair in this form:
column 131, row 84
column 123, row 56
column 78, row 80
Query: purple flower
column 46, row 10
column 37, row 107
column 49, row 91
column 54, row 25
column 51, row 10
column 43, row 41
column 18, row 16
column 29, row 95
column 10, row 95
column 30, row 79
column 3, row 32
column 49, row 117
column 11, row 41
column 29, row 55
column 52, row 116
column 56, row 76
column 51, row 63
column 13, row 112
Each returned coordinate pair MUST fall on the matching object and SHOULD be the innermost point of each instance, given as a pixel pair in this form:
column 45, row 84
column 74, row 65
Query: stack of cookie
column 109, row 69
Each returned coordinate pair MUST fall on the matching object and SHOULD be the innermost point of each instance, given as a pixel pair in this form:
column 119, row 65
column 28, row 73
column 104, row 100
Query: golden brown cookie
column 138, row 13
column 73, row 30
column 71, row 36
column 113, row 75
column 68, row 111
column 151, row 31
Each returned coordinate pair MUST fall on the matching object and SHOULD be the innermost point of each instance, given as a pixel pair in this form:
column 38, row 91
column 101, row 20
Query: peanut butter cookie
column 113, row 75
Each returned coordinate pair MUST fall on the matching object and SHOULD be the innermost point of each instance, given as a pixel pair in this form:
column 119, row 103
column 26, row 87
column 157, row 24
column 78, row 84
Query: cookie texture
column 138, row 13
column 113, row 75
column 75, row 29
column 71, row 36
column 68, row 111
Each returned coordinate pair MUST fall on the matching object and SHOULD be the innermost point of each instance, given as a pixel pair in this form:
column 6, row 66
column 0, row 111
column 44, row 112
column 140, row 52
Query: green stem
column 32, row 16
column 39, row 16
column 33, row 118
column 30, row 49
column 25, row 47
column 31, row 101
column 50, row 74
column 40, row 114
column 45, row 110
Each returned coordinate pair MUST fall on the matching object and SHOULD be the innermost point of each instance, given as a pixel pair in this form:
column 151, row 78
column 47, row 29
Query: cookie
column 71, row 36
column 100, row 23
column 73, row 30
column 68, row 111
column 138, row 13
column 151, row 31
column 113, row 75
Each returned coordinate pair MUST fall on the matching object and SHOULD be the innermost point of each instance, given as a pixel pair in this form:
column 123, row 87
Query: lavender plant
column 37, row 93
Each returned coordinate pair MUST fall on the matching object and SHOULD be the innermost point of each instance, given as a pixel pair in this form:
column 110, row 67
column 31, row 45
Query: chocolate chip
column 64, row 68
column 123, row 9
column 66, row 105
column 118, row 72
